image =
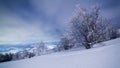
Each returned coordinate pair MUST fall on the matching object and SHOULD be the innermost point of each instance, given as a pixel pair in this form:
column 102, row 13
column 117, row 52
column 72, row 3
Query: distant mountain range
column 6, row 48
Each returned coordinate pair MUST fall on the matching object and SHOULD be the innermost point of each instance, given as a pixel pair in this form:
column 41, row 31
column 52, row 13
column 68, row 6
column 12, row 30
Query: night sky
column 27, row 21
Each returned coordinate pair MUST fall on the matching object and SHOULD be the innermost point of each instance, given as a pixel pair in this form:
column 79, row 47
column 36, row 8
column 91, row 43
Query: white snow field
column 98, row 57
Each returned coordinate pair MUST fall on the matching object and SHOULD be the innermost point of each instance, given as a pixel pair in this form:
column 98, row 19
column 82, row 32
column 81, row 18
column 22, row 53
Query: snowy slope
column 102, row 57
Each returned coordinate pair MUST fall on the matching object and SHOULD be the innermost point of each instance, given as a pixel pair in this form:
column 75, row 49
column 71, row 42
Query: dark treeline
column 17, row 56
column 6, row 57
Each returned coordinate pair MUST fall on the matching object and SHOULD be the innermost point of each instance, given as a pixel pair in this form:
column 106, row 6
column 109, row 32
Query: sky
column 30, row 21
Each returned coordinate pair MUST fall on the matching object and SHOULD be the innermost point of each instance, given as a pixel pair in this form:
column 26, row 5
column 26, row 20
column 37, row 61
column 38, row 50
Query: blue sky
column 26, row 21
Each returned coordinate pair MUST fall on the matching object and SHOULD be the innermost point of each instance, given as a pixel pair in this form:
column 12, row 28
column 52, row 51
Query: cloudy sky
column 26, row 21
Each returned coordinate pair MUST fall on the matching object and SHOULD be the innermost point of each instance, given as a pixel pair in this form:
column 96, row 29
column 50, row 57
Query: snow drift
column 103, row 57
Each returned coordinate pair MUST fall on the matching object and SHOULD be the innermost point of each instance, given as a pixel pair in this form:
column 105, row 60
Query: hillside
column 98, row 57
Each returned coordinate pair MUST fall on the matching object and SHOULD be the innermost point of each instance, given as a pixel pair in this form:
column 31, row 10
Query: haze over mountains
column 21, row 47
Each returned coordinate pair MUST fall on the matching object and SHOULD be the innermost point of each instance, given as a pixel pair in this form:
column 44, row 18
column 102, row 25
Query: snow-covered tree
column 113, row 32
column 41, row 48
column 89, row 27
column 64, row 44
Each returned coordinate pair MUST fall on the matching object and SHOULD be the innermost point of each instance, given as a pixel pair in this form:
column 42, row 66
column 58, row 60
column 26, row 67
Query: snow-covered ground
column 98, row 57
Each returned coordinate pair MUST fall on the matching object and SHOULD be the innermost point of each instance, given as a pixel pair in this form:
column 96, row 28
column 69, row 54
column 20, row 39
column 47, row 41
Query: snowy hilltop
column 89, row 40
column 98, row 57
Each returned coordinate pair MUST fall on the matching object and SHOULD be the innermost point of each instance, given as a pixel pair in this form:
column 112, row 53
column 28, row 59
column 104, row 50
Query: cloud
column 25, row 21
column 16, row 30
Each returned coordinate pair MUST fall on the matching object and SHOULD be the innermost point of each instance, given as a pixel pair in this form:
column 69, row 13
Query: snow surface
column 100, row 57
